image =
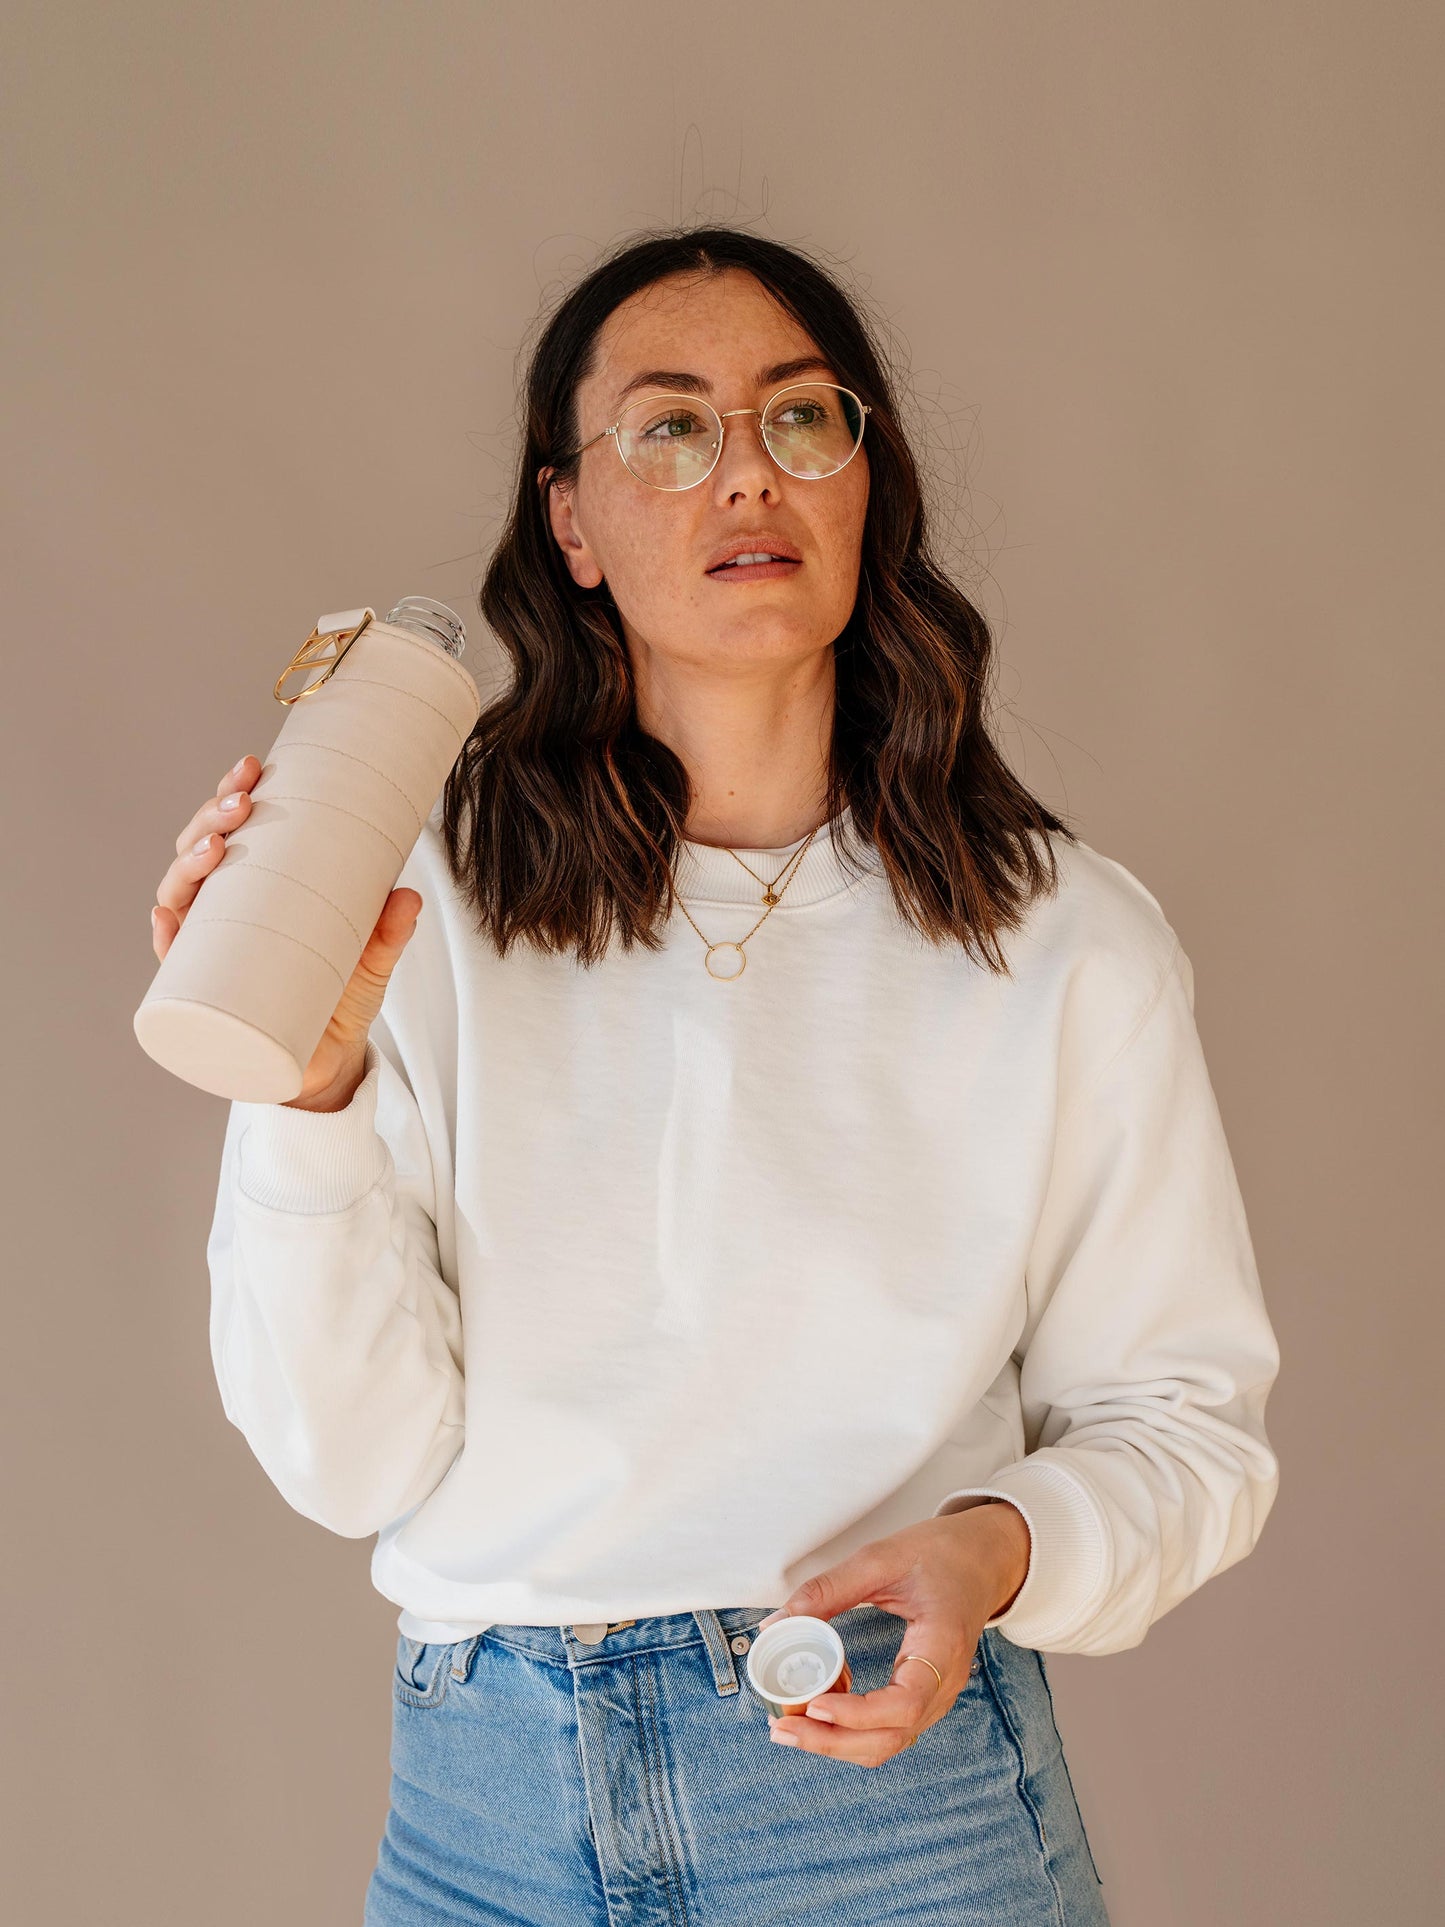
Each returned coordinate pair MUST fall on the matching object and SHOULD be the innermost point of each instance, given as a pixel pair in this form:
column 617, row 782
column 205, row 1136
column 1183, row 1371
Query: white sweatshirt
column 625, row 1290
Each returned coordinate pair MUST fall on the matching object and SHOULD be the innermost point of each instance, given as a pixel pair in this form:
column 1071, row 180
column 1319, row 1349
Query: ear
column 562, row 515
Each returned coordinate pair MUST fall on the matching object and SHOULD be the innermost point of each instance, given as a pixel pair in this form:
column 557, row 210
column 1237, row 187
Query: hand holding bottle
column 337, row 1064
column 270, row 979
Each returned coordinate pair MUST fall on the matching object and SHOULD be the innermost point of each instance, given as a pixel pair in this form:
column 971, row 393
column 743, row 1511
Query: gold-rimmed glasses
column 810, row 428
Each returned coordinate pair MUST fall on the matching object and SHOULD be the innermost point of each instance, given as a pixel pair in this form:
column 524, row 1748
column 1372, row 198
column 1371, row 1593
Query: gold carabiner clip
column 336, row 633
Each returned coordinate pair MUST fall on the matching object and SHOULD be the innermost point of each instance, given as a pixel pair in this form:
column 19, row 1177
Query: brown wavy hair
column 562, row 816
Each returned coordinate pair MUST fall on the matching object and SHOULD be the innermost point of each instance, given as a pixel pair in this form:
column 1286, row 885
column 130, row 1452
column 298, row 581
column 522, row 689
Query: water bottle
column 251, row 979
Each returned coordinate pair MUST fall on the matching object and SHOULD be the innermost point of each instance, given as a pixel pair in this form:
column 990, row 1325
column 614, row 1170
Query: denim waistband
column 725, row 1631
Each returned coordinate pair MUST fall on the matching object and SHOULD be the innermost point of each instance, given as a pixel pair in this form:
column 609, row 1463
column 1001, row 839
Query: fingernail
column 779, row 1614
column 236, row 768
column 780, row 1738
column 153, row 916
column 199, row 849
column 231, row 802
column 818, row 1713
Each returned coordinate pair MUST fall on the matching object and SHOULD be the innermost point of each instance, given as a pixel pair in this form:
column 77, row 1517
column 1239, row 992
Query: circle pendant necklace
column 772, row 896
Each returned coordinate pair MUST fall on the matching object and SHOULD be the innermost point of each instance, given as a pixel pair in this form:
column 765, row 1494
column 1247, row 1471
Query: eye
column 676, row 425
column 802, row 414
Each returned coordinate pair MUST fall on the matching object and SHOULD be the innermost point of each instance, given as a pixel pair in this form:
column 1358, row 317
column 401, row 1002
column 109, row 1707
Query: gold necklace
column 772, row 897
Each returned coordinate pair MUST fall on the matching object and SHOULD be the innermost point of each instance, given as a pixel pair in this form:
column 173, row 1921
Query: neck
column 754, row 741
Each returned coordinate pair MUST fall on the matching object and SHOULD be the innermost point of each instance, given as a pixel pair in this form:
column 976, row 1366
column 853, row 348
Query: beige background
column 1169, row 282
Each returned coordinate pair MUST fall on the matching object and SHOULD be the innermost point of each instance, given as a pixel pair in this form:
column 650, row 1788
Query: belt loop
column 462, row 1656
column 724, row 1673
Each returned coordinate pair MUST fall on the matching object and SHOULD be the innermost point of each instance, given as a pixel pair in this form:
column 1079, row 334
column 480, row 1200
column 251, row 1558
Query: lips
column 753, row 571
column 769, row 545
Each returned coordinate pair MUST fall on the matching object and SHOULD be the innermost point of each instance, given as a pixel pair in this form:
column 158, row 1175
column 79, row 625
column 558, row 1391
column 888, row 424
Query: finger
column 218, row 814
column 400, row 912
column 906, row 1701
column 915, row 1691
column 164, row 925
column 393, row 931
column 364, row 992
column 178, row 887
column 870, row 1748
column 241, row 775
column 866, row 1576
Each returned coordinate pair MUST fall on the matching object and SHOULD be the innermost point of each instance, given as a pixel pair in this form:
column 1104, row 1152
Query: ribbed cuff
column 312, row 1161
column 1070, row 1554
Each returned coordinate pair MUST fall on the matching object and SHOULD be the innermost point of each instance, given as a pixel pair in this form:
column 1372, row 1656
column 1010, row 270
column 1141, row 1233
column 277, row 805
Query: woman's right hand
column 337, row 1064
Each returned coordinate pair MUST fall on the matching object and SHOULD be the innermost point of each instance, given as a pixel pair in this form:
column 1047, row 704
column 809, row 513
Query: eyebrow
column 674, row 381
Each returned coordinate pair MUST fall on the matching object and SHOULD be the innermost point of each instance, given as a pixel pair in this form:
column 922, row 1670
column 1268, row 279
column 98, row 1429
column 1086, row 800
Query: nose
column 744, row 467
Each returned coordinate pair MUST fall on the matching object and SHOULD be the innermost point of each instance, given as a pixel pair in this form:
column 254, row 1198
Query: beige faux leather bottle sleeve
column 243, row 995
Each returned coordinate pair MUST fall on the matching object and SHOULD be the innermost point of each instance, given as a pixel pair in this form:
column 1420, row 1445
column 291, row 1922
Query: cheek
column 841, row 517
column 844, row 546
column 859, row 508
column 644, row 569
column 652, row 572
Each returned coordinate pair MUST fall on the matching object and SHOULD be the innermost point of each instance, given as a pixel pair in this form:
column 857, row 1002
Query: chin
column 767, row 638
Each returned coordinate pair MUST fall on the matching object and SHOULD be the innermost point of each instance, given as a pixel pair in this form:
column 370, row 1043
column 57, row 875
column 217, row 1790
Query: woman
column 778, row 1165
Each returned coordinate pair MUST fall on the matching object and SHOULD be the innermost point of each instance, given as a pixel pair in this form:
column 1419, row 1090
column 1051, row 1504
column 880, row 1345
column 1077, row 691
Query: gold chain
column 772, row 897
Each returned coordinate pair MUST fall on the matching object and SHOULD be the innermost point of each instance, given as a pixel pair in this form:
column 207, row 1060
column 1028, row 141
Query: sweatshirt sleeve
column 1147, row 1354
column 335, row 1337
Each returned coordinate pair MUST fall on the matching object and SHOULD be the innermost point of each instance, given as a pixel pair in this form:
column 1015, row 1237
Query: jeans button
column 589, row 1635
column 740, row 1643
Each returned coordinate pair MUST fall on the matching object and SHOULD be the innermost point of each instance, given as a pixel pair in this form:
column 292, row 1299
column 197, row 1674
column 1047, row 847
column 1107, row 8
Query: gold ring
column 927, row 1662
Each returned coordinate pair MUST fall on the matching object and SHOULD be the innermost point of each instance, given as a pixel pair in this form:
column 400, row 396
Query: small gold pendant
column 769, row 897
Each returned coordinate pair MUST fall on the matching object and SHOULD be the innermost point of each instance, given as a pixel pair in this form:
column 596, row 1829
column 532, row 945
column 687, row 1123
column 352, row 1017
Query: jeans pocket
column 421, row 1671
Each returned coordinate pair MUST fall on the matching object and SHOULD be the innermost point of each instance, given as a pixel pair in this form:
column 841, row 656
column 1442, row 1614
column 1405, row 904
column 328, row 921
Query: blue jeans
column 540, row 1781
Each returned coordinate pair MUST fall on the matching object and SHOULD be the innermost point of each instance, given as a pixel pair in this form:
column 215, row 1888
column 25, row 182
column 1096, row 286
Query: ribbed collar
column 705, row 873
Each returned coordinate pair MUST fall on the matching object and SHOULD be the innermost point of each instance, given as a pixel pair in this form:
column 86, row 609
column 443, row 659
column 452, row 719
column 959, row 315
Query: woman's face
column 653, row 546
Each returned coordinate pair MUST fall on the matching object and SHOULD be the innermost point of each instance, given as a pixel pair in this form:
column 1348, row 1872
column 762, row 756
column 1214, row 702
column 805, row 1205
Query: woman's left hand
column 947, row 1577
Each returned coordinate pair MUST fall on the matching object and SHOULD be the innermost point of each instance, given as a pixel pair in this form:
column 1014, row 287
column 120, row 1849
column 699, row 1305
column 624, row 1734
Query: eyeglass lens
column 673, row 441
